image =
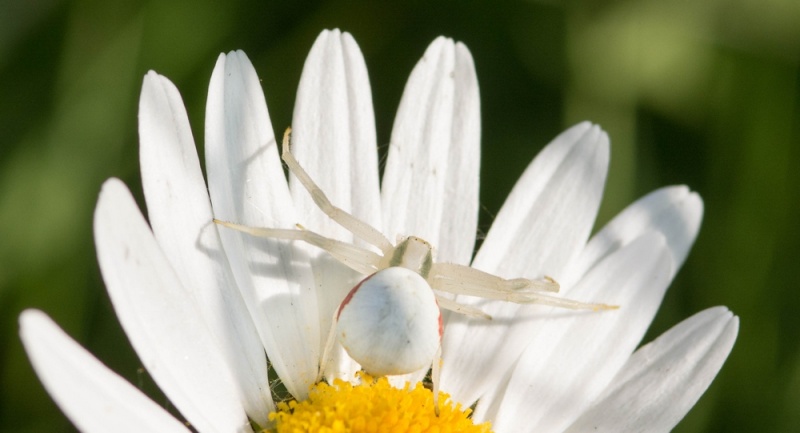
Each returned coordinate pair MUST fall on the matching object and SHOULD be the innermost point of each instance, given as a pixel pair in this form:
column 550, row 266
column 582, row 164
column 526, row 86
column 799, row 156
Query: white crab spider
column 390, row 323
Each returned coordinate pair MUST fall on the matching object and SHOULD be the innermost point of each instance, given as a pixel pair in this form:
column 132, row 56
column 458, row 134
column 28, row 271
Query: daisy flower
column 206, row 307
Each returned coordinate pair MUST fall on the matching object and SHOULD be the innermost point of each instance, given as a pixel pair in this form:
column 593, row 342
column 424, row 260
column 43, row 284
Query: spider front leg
column 359, row 259
column 464, row 280
column 359, row 228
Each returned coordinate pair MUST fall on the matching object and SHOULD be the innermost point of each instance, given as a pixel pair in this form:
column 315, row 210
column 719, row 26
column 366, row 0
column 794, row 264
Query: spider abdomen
column 390, row 322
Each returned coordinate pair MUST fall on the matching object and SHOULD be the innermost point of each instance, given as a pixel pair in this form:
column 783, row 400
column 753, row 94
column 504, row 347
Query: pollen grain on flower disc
column 373, row 406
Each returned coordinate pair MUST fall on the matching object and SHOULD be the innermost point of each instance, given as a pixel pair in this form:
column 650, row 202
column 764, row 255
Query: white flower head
column 202, row 304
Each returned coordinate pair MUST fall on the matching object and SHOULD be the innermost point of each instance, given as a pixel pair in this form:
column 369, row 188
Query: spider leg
column 436, row 372
column 538, row 298
column 449, row 304
column 359, row 259
column 354, row 225
column 464, row 280
column 327, row 351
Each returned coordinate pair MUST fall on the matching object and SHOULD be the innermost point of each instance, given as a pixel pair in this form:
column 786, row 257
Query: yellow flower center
column 373, row 406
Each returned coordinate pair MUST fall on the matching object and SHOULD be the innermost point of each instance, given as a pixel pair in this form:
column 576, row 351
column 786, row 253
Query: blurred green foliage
column 697, row 92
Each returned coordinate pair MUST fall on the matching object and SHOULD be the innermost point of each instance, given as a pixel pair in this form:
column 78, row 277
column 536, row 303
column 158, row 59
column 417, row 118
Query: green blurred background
column 697, row 92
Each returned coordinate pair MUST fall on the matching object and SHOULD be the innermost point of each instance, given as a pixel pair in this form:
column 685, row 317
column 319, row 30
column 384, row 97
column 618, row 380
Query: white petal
column 333, row 135
column 180, row 214
column 574, row 355
column 161, row 318
column 673, row 211
column 93, row 397
column 541, row 227
column 665, row 378
column 333, row 138
column 548, row 216
column 430, row 186
column 247, row 186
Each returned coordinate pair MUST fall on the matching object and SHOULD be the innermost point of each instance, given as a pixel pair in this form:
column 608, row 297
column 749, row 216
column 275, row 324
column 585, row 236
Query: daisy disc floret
column 374, row 405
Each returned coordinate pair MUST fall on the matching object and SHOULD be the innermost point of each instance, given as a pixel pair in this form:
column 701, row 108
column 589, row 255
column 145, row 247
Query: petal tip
column 150, row 75
column 112, row 185
column 28, row 318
